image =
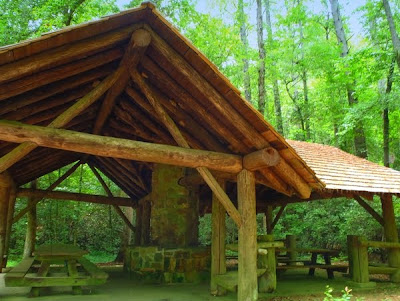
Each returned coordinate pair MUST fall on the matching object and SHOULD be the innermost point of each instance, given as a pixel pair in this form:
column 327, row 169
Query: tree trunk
column 305, row 85
column 360, row 143
column 30, row 237
column 386, row 128
column 393, row 31
column 126, row 236
column 261, row 61
column 245, row 59
column 277, row 98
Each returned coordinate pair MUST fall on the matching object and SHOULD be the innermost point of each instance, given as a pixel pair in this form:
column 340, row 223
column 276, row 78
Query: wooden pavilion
column 130, row 96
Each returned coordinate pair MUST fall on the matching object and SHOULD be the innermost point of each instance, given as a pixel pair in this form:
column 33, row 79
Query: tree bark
column 393, row 31
column 261, row 61
column 30, row 237
column 277, row 98
column 245, row 59
column 386, row 125
column 360, row 143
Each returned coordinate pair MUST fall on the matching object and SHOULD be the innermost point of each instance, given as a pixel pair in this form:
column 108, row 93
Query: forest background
column 312, row 78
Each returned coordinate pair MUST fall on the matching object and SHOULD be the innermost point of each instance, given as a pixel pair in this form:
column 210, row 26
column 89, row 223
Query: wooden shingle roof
column 341, row 171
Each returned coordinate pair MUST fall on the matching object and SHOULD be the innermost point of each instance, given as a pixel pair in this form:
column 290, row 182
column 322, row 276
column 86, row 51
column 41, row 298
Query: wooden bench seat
column 16, row 275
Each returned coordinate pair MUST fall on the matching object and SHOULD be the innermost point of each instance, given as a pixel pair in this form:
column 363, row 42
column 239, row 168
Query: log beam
column 262, row 158
column 278, row 216
column 109, row 193
column 70, row 196
column 181, row 141
column 118, row 148
column 51, row 187
column 370, row 210
column 140, row 39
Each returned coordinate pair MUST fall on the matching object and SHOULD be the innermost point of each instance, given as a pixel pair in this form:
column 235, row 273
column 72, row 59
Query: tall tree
column 241, row 19
column 360, row 143
column 393, row 31
column 261, row 60
column 273, row 71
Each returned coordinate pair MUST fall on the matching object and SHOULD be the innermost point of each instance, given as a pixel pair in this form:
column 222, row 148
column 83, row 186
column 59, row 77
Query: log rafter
column 175, row 132
column 110, row 194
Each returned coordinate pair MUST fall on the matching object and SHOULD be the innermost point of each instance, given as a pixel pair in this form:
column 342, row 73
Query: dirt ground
column 291, row 287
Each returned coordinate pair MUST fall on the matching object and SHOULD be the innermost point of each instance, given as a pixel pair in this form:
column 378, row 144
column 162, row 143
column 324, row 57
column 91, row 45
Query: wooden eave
column 41, row 78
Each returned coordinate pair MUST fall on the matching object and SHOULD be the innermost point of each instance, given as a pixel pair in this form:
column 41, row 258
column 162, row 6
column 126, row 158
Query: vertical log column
column 218, row 261
column 30, row 237
column 146, row 211
column 10, row 216
column 247, row 281
column 391, row 234
column 291, row 245
column 5, row 188
column 269, row 219
column 358, row 262
column 139, row 224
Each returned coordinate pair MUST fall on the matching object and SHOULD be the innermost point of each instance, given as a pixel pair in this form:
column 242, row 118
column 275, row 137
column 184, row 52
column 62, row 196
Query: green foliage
column 346, row 295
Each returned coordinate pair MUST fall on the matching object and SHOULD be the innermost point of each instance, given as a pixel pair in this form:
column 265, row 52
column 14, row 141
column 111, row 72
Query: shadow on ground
column 292, row 286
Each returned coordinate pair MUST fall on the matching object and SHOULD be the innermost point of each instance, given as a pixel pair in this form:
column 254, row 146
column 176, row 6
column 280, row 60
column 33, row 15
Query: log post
column 146, row 216
column 138, row 226
column 218, row 264
column 247, row 278
column 30, row 237
column 267, row 282
column 5, row 188
column 391, row 234
column 358, row 262
column 269, row 219
column 10, row 216
column 291, row 245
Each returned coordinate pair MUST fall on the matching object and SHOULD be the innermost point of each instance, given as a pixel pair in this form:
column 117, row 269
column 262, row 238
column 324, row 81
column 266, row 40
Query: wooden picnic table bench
column 80, row 271
column 311, row 264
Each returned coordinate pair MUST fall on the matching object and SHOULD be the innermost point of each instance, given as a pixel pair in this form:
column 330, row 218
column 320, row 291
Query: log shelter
column 133, row 98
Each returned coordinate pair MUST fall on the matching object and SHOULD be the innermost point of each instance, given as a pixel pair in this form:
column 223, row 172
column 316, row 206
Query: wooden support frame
column 218, row 227
column 391, row 233
column 370, row 210
column 278, row 216
column 50, row 188
column 109, row 193
column 118, row 148
column 5, row 188
column 79, row 197
column 247, row 247
column 10, row 215
column 62, row 120
column 30, row 237
column 177, row 135
column 140, row 39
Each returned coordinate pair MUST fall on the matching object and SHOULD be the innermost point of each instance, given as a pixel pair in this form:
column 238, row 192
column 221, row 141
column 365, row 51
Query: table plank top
column 59, row 250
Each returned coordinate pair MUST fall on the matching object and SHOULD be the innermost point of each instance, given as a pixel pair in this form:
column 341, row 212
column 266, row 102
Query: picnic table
column 42, row 269
column 311, row 264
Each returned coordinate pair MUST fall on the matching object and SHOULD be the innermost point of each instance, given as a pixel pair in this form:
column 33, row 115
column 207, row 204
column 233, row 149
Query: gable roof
column 341, row 171
column 41, row 78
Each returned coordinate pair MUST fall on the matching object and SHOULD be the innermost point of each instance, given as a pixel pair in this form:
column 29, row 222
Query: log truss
column 133, row 76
